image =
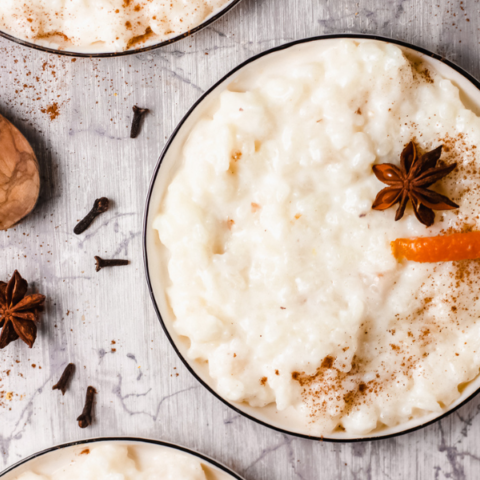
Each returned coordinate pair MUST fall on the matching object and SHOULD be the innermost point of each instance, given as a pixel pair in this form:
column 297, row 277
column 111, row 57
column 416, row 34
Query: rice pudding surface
column 281, row 275
column 110, row 461
column 111, row 25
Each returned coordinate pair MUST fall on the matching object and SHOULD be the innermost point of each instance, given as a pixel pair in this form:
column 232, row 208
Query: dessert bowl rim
column 156, row 170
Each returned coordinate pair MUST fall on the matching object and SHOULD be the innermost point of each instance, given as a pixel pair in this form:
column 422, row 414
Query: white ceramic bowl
column 98, row 52
column 55, row 458
column 154, row 252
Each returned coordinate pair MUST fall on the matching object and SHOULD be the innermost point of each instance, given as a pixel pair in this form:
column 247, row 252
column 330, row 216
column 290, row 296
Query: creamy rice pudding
column 106, row 25
column 111, row 461
column 281, row 276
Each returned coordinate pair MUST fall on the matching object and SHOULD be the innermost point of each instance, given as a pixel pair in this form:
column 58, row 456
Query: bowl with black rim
column 155, row 260
column 97, row 52
column 55, row 458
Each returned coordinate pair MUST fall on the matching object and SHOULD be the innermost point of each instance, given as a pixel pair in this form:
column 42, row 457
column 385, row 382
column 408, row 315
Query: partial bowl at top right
column 310, row 238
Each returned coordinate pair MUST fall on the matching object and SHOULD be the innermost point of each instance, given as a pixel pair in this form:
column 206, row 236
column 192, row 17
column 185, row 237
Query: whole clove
column 138, row 115
column 102, row 263
column 62, row 384
column 85, row 419
column 100, row 206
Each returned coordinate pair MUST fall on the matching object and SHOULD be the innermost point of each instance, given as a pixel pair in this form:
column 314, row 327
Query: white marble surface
column 143, row 389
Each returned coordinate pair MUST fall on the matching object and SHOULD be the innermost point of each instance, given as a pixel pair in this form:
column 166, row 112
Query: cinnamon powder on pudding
column 333, row 391
column 362, row 341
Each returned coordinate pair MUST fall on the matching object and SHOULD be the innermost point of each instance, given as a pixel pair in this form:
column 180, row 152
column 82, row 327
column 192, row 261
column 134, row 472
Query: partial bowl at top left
column 106, row 28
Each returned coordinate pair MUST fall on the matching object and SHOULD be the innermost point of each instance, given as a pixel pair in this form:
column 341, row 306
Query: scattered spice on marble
column 64, row 381
column 138, row 115
column 53, row 111
column 85, row 419
column 102, row 263
column 18, row 312
column 100, row 206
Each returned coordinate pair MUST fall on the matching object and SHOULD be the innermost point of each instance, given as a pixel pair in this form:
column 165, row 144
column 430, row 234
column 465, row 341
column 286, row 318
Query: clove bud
column 101, row 205
column 102, row 263
column 62, row 384
column 138, row 114
column 85, row 419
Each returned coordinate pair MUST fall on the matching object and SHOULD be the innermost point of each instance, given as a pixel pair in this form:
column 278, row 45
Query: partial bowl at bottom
column 59, row 457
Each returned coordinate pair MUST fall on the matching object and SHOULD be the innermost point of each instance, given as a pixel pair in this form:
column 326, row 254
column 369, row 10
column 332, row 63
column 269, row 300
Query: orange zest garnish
column 444, row 248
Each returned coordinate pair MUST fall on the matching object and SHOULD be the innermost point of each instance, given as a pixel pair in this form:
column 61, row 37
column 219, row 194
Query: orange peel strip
column 443, row 248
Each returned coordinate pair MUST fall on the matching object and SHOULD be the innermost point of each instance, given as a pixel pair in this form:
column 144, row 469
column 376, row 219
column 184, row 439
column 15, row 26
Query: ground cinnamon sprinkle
column 334, row 392
column 38, row 90
column 328, row 390
column 52, row 110
column 327, row 362
column 6, row 395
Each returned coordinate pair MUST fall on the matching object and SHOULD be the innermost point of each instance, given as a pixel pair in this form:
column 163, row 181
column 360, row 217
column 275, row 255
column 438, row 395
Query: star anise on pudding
column 410, row 181
column 18, row 311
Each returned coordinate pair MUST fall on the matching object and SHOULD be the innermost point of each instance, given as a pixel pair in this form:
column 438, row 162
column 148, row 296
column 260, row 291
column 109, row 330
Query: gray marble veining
column 85, row 152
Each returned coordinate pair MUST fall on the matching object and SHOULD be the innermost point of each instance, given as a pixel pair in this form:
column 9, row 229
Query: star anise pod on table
column 410, row 181
column 18, row 311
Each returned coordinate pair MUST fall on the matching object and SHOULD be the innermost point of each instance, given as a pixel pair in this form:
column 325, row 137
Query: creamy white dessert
column 106, row 25
column 113, row 461
column 281, row 276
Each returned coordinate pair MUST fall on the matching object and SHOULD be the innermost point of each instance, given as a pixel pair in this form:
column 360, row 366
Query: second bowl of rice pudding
column 106, row 27
column 118, row 458
column 271, row 272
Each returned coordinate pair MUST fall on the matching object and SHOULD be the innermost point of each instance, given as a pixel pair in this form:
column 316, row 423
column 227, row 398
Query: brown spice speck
column 52, row 110
column 328, row 362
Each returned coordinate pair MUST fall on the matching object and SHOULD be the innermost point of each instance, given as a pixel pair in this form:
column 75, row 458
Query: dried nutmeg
column 62, row 384
column 85, row 419
column 100, row 206
column 18, row 311
column 138, row 114
column 19, row 176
